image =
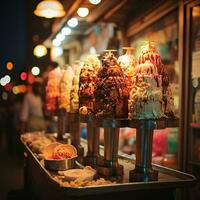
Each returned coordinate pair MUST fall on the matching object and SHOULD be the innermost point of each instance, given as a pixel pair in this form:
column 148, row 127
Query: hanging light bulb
column 49, row 9
column 83, row 12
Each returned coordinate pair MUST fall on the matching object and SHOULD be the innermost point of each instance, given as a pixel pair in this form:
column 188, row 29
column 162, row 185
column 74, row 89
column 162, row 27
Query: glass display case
column 164, row 32
column 194, row 87
column 193, row 93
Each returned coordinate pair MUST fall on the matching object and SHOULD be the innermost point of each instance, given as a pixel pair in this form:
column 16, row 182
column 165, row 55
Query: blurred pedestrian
column 31, row 117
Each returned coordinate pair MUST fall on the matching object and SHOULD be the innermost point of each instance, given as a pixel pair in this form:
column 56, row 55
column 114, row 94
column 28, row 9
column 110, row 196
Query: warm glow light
column 7, row 79
column 95, row 2
column 73, row 22
column 9, row 65
column 23, row 76
column 49, row 9
column 83, row 12
column 19, row 89
column 60, row 37
column 8, row 87
column 35, row 70
column 4, row 96
column 57, row 51
column 56, row 42
column 66, row 31
column 40, row 51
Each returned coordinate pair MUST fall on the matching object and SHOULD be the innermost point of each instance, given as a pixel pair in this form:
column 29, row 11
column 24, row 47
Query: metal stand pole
column 110, row 165
column 144, row 138
column 61, row 124
column 75, row 133
column 93, row 145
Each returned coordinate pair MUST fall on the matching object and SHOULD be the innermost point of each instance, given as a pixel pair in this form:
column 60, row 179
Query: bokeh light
column 4, row 96
column 23, row 76
column 83, row 12
column 9, row 65
column 19, row 89
column 8, row 87
column 66, row 31
column 95, row 2
column 73, row 22
column 40, row 51
column 35, row 71
column 56, row 42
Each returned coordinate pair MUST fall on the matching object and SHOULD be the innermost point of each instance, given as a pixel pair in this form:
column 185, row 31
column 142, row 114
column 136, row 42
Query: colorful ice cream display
column 145, row 101
column 87, row 84
column 151, row 96
column 128, row 63
column 53, row 89
column 74, row 99
column 111, row 93
column 65, row 88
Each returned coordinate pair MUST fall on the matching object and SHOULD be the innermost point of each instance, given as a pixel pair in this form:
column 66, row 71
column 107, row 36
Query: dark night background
column 13, row 34
column 20, row 31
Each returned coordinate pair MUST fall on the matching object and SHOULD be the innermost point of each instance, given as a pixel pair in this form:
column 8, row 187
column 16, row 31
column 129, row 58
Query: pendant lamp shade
column 49, row 9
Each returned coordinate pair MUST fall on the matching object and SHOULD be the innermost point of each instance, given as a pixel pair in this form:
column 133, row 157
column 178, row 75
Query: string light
column 83, row 12
column 73, row 22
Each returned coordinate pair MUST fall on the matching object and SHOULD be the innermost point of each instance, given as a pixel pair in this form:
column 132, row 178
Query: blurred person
column 32, row 118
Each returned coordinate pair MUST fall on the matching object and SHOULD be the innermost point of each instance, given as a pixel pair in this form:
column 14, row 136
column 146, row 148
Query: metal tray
column 168, row 179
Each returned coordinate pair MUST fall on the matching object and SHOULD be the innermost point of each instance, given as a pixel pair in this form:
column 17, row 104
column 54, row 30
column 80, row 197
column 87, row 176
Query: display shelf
column 38, row 177
column 144, row 128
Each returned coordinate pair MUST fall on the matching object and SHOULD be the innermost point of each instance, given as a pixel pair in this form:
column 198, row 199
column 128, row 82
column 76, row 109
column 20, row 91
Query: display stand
column 92, row 156
column 75, row 132
column 144, row 139
column 109, row 165
column 61, row 113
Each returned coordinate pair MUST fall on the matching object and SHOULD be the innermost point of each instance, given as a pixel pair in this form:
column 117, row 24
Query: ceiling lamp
column 73, row 22
column 40, row 50
column 49, row 9
column 95, row 2
column 83, row 12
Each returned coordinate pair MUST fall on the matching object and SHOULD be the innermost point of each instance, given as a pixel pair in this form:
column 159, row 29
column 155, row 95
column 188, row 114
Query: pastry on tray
column 58, row 151
column 111, row 92
column 59, row 156
column 85, row 174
